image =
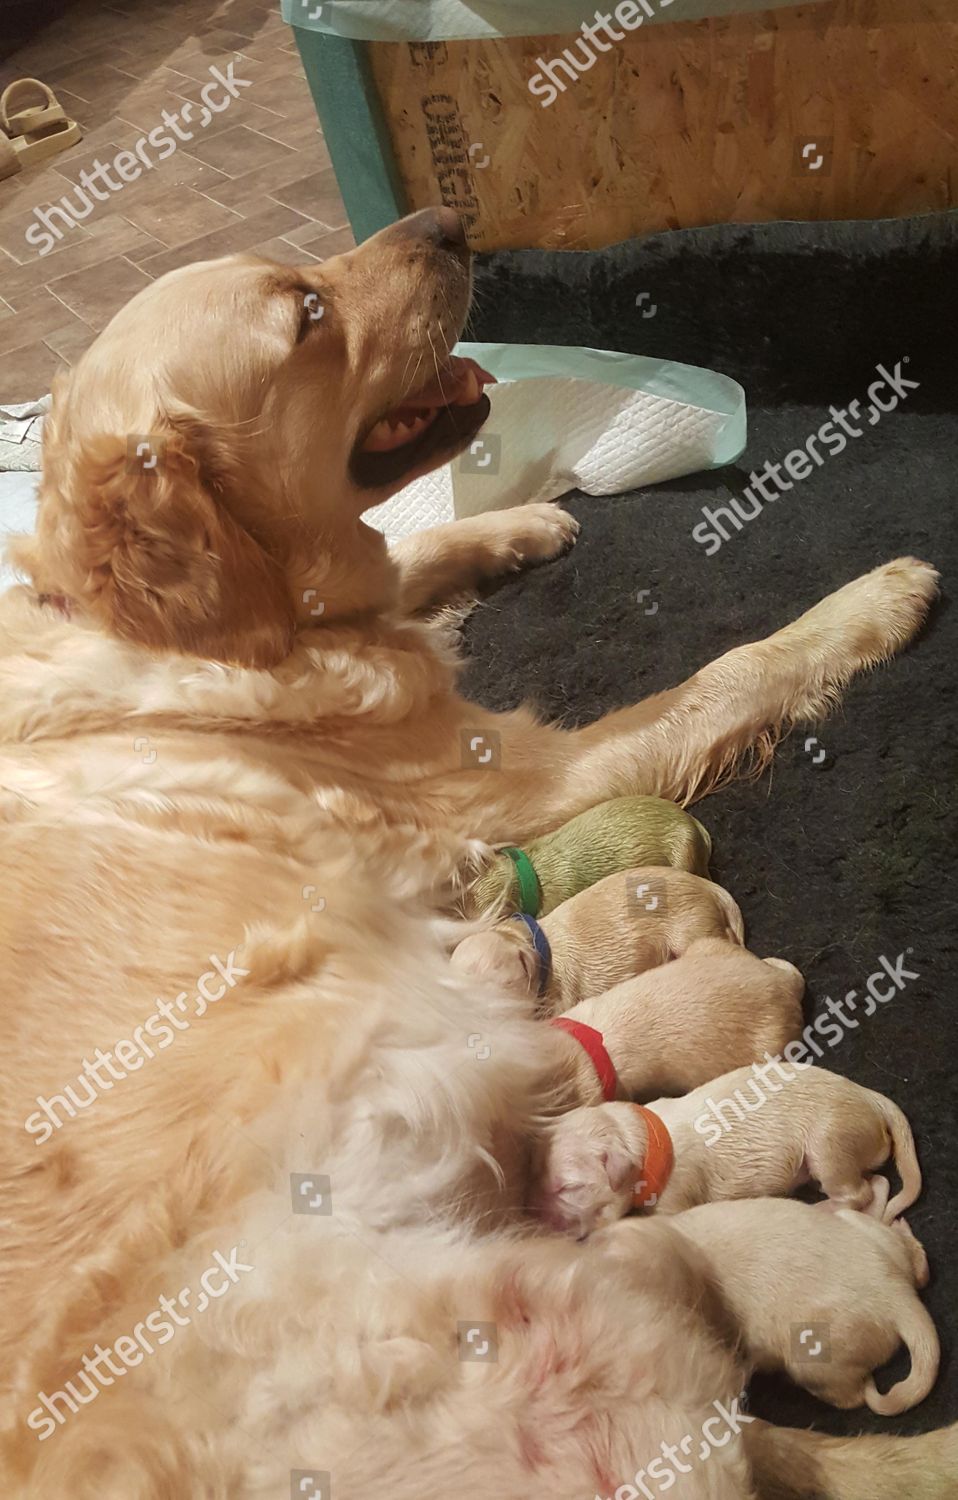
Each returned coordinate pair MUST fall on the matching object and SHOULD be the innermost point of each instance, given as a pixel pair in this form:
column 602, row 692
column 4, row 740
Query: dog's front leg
column 445, row 562
column 683, row 742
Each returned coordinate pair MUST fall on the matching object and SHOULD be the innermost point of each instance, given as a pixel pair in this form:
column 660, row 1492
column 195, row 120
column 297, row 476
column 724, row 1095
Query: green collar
column 530, row 895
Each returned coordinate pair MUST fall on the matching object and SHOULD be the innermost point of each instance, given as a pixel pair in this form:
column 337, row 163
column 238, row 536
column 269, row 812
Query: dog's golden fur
column 192, row 763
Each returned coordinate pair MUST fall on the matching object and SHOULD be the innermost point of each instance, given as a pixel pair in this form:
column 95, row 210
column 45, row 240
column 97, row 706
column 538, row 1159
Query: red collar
column 591, row 1042
column 659, row 1161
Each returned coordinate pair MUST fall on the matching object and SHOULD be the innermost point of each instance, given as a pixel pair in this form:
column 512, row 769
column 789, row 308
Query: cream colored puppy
column 845, row 1296
column 623, row 925
column 666, row 1031
column 750, row 1133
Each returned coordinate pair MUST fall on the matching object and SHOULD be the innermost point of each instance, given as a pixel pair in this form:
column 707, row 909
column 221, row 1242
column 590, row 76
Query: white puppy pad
column 569, row 418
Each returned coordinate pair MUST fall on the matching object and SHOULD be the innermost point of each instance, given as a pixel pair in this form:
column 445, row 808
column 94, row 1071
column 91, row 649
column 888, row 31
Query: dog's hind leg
column 788, row 1464
column 684, row 742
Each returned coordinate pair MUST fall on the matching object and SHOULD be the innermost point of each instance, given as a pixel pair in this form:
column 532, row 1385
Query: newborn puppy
column 844, row 1296
column 619, row 927
column 665, row 1032
column 771, row 1140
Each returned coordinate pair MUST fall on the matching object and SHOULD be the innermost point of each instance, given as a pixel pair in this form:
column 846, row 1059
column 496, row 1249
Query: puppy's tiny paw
column 916, row 1250
column 881, row 1192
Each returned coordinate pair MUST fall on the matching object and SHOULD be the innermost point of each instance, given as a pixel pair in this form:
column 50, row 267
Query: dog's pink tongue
column 460, row 384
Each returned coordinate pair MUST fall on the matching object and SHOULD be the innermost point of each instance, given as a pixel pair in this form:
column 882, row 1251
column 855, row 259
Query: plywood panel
column 683, row 124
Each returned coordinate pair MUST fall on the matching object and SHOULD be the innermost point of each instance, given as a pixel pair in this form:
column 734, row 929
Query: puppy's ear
column 619, row 1166
column 137, row 532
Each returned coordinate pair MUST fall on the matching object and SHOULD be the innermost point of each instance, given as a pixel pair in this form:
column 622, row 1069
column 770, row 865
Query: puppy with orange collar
column 811, row 1126
column 621, row 926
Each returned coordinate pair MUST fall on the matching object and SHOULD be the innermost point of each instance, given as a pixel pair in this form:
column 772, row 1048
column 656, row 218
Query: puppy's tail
column 906, row 1158
column 919, row 1333
column 791, row 1465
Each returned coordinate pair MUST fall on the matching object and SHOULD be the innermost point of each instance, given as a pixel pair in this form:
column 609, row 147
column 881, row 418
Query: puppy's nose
column 442, row 227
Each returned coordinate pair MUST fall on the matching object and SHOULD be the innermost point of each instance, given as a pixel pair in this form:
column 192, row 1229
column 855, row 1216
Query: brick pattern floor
column 257, row 176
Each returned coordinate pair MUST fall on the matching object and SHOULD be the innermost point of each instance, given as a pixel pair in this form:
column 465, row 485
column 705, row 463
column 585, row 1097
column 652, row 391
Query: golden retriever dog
column 264, row 1176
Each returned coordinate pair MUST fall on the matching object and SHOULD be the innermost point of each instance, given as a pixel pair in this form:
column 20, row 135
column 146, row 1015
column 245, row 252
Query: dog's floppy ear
column 137, row 532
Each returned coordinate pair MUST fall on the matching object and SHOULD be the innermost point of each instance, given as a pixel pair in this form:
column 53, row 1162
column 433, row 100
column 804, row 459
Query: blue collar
column 541, row 944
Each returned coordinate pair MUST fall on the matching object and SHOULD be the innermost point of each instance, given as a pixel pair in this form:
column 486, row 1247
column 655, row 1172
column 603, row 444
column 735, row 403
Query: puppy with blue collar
column 622, row 926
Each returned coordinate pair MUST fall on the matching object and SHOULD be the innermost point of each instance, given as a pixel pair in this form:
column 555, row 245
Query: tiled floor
column 256, row 177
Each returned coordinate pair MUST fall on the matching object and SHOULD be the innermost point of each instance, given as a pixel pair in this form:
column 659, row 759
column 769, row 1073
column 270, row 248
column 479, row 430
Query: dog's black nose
column 450, row 228
column 442, row 227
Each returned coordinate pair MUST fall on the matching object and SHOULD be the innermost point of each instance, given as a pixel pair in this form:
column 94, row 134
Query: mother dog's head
column 207, row 463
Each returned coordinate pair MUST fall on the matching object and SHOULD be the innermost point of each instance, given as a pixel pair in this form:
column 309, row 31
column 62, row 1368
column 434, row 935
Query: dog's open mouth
column 427, row 427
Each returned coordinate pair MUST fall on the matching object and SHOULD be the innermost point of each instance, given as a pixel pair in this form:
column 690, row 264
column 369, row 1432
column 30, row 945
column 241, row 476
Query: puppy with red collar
column 716, row 1007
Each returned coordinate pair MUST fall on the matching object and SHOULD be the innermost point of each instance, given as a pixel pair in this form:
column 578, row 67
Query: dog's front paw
column 543, row 531
column 590, row 1161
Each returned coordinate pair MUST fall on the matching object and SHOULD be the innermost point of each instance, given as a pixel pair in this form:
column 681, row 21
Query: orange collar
column 658, row 1164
